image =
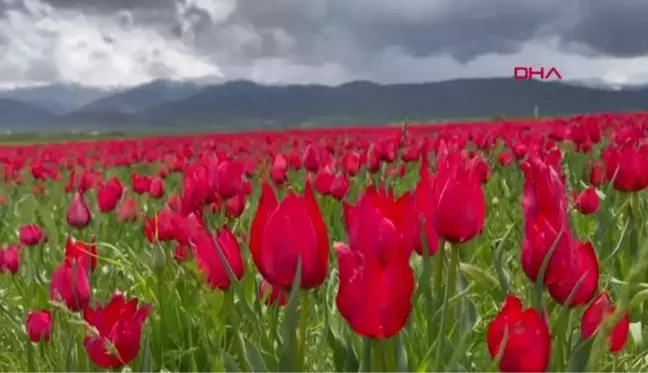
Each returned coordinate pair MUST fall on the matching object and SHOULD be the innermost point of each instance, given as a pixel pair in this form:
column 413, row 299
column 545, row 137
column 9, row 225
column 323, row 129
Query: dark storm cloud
column 112, row 5
column 464, row 29
column 333, row 39
column 616, row 28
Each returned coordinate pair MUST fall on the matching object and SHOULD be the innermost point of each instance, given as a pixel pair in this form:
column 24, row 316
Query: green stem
column 237, row 340
column 438, row 279
column 365, row 364
column 559, row 360
column 303, row 335
column 389, row 355
column 160, row 295
column 429, row 300
column 451, row 287
column 377, row 359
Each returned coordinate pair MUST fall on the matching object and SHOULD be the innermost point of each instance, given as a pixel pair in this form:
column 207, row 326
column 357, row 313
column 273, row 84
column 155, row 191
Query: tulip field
column 512, row 246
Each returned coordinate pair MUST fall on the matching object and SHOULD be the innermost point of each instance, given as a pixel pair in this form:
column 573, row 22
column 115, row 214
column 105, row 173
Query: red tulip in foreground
column 459, row 202
column 574, row 270
column 593, row 318
column 523, row 334
column 210, row 261
column 39, row 325
column 284, row 231
column 376, row 280
column 400, row 212
column 573, row 266
column 118, row 325
column 544, row 208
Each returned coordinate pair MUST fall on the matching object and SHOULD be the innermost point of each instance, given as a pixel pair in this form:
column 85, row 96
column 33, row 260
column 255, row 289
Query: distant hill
column 56, row 98
column 238, row 105
column 19, row 115
column 142, row 97
column 361, row 102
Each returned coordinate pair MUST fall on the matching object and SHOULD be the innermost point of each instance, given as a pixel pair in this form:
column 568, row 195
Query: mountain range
column 237, row 105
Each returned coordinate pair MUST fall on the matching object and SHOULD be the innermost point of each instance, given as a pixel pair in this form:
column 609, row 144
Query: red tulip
column 351, row 164
column 128, row 210
column 78, row 213
column 573, row 269
column 505, row 159
column 31, row 235
column 587, row 202
column 278, row 170
column 86, row 252
column 10, row 259
column 323, row 181
column 281, row 233
column 210, row 261
column 597, row 173
column 593, row 318
column 524, row 335
column 141, row 183
column 229, row 180
column 161, row 227
column 339, row 187
column 544, row 208
column 174, row 202
column 401, row 213
column 156, row 187
column 311, row 160
column 119, row 326
column 39, row 325
column 186, row 229
column 627, row 166
column 109, row 195
column 195, row 189
column 235, row 206
column 459, row 202
column 376, row 280
column 70, row 284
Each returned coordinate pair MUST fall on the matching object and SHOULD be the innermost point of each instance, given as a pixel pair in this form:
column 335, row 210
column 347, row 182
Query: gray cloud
column 321, row 39
column 612, row 28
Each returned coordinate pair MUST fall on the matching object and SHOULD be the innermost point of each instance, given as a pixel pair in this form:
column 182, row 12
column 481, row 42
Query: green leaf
column 146, row 360
column 580, row 357
column 289, row 327
column 254, row 356
column 230, row 362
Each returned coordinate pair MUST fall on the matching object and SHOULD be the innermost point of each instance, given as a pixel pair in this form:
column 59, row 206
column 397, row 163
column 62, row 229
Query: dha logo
column 529, row 72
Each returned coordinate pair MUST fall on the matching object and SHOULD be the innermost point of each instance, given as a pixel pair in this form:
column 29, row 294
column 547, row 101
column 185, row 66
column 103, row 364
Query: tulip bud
column 78, row 214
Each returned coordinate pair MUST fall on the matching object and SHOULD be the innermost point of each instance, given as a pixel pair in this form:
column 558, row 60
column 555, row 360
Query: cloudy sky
column 127, row 42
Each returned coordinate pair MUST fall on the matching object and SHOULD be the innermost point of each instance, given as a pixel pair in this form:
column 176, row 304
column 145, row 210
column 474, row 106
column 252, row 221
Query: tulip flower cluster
column 511, row 245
